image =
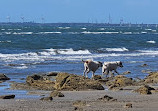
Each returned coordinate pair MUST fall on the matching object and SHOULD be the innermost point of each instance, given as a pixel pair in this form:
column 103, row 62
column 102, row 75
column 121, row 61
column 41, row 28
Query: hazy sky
column 140, row 11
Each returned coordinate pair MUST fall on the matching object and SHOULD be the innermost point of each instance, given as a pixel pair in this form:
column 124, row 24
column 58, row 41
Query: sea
column 33, row 48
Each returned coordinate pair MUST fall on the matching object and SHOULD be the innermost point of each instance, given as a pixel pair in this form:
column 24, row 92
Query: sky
column 55, row 11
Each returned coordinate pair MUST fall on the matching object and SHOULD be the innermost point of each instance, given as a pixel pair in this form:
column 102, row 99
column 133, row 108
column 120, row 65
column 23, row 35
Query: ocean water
column 39, row 48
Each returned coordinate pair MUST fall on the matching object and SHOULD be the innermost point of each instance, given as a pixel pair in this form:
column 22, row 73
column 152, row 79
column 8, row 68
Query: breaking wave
column 152, row 42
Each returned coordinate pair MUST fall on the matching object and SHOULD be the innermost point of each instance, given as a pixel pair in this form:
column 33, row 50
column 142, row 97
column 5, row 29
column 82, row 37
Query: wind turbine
column 42, row 19
column 8, row 18
column 23, row 18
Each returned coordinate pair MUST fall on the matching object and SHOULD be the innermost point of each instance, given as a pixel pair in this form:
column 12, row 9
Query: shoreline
column 139, row 102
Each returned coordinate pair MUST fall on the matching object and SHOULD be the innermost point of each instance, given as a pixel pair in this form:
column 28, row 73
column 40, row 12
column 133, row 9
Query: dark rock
column 144, row 90
column 144, row 65
column 65, row 81
column 56, row 94
column 4, row 77
column 52, row 74
column 47, row 99
column 128, row 105
column 7, row 97
column 107, row 98
column 97, row 77
column 41, row 82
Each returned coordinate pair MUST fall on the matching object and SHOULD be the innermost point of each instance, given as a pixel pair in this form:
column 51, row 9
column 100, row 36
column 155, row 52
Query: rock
column 20, row 86
column 47, row 99
column 52, row 74
column 65, row 81
column 152, row 78
column 40, row 82
column 97, row 77
column 79, row 103
column 114, row 87
column 107, row 98
column 4, row 77
column 119, row 82
column 128, row 105
column 144, row 90
column 7, row 97
column 144, row 65
column 127, row 72
column 56, row 94
column 146, row 71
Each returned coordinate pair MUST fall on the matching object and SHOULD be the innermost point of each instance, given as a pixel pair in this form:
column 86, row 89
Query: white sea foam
column 87, row 32
column 151, row 41
column 7, row 33
column 102, row 29
column 67, row 51
column 21, row 67
column 48, row 33
column 83, row 28
column 144, row 32
column 70, row 54
column 17, row 29
column 148, row 29
column 8, row 41
column 127, row 33
column 117, row 49
column 64, row 27
column 22, row 33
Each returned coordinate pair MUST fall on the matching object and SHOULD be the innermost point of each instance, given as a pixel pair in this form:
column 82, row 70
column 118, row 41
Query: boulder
column 56, row 94
column 119, row 81
column 42, row 82
column 4, row 77
column 65, row 81
column 144, row 90
column 46, row 99
column 7, row 97
column 152, row 78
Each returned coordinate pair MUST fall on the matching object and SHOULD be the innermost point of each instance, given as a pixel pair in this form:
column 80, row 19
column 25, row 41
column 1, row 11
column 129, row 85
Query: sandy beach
column 90, row 99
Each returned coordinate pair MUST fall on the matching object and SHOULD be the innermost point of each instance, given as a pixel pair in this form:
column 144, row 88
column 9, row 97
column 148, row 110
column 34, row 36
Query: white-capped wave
column 22, row 33
column 49, row 33
column 67, row 51
column 83, row 28
column 117, row 49
column 144, row 32
column 21, row 67
column 102, row 29
column 64, row 27
column 151, row 41
column 127, row 33
column 8, row 41
column 148, row 29
column 87, row 32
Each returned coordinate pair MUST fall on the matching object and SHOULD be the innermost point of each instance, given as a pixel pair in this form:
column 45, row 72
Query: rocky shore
column 64, row 91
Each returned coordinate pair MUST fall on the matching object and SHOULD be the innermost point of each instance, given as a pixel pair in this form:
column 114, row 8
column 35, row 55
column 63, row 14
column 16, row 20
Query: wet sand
column 139, row 102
